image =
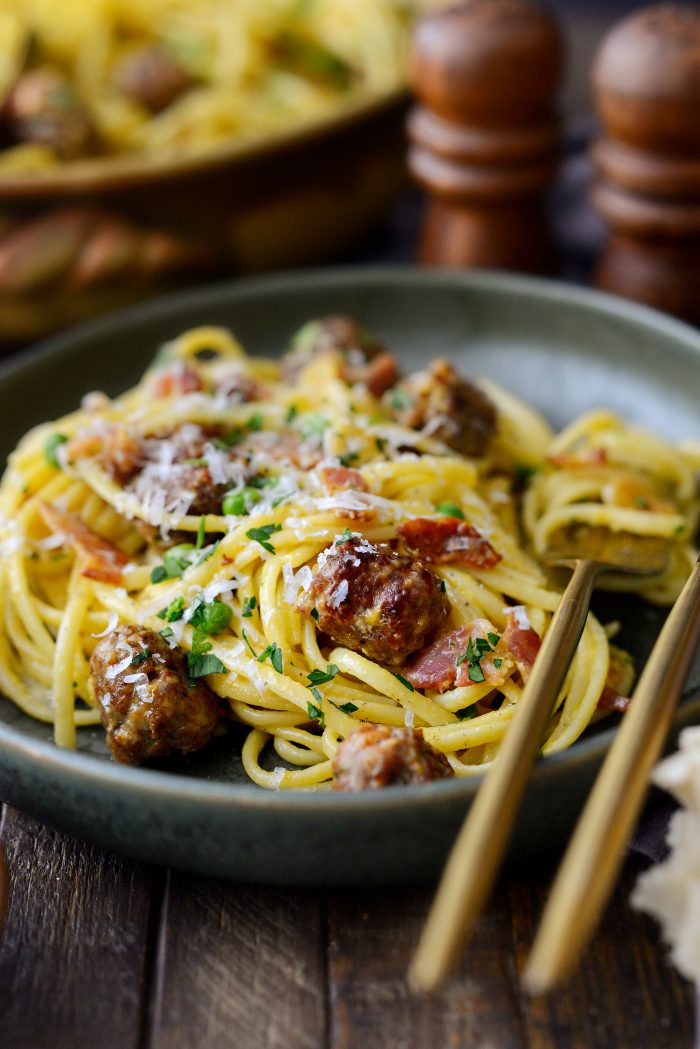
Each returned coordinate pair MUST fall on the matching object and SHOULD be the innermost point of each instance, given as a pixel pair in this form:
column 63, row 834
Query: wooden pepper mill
column 485, row 134
column 646, row 80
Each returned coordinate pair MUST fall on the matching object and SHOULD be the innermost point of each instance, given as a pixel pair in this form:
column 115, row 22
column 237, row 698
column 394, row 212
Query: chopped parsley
column 313, row 424
column 292, row 412
column 253, row 653
column 399, row 399
column 228, row 440
column 522, row 474
column 467, row 713
column 348, row 708
column 316, row 712
column 476, row 650
column 179, row 558
column 262, row 535
column 349, row 459
column 167, row 632
column 320, row 677
column 314, row 614
column 381, row 443
column 202, row 663
column 450, row 510
column 51, row 446
column 443, row 586
column 248, row 607
column 274, row 653
column 498, row 663
column 256, row 422
column 173, row 611
column 236, row 504
column 140, row 657
column 346, row 535
column 404, row 682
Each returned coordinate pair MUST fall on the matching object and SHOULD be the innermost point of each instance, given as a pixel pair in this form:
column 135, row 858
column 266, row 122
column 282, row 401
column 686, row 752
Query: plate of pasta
column 272, row 576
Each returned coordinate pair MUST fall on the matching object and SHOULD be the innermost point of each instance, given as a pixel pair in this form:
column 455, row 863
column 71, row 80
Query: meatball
column 186, row 472
column 448, row 407
column 43, row 108
column 364, row 358
column 374, row 601
column 148, row 708
column 375, row 756
column 151, row 77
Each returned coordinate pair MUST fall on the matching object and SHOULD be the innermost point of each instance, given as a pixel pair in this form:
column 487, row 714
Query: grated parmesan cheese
column 111, row 623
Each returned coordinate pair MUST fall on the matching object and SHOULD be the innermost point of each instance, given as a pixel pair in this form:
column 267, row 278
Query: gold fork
column 478, row 851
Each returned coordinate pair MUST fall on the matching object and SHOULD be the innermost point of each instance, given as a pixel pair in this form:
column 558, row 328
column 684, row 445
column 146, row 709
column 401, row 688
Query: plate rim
column 159, row 784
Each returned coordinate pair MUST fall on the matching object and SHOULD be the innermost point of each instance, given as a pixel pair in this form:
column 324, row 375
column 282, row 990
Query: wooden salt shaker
column 485, row 134
column 646, row 81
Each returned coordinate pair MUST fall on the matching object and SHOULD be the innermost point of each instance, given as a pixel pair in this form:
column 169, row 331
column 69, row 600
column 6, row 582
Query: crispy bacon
column 619, row 681
column 177, row 380
column 381, row 373
column 436, row 667
column 586, row 457
column 238, row 387
column 340, row 478
column 102, row 560
column 116, row 449
column 523, row 643
column 447, row 540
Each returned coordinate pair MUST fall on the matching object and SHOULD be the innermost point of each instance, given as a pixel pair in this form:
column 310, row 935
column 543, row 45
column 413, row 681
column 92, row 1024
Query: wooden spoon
column 471, row 868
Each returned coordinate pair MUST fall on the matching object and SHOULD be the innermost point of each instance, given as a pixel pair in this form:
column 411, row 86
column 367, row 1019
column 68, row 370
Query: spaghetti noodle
column 205, row 505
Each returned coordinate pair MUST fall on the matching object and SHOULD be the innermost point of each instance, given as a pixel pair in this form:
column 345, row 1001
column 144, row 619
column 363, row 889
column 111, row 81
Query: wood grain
column 372, row 935
column 624, row 994
column 73, row 950
column 238, row 966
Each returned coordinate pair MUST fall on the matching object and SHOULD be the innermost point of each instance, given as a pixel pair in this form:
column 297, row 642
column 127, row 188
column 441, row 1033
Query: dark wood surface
column 100, row 952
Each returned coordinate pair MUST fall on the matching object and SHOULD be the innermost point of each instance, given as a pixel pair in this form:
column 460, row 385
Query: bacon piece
column 619, row 681
column 436, row 666
column 340, row 478
column 116, row 449
column 523, row 643
column 586, row 457
column 238, row 387
column 102, row 560
column 448, row 540
column 380, row 374
column 177, row 380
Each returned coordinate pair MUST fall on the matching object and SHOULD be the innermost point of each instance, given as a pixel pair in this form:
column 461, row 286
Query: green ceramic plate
column 563, row 349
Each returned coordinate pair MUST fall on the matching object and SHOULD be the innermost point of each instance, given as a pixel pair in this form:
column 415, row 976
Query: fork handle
column 592, row 861
column 476, row 855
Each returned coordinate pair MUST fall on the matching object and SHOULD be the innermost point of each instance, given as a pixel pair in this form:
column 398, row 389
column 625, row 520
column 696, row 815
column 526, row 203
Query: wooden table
column 100, row 952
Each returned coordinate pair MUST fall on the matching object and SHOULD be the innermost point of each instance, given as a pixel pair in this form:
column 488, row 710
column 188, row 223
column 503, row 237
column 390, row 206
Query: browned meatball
column 151, row 77
column 374, row 601
column 375, row 756
column 188, row 471
column 148, row 708
column 454, row 411
column 43, row 107
column 364, row 358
